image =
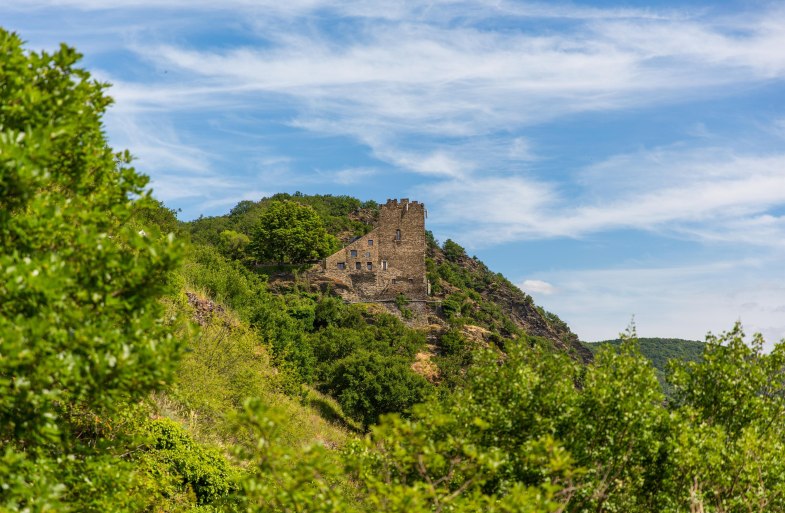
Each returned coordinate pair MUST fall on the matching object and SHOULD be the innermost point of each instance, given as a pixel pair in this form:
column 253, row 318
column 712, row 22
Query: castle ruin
column 387, row 261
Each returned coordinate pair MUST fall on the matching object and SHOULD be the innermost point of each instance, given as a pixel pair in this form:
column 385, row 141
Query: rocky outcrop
column 521, row 310
column 204, row 309
column 515, row 305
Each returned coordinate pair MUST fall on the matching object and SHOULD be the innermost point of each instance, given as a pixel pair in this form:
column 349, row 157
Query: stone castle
column 387, row 261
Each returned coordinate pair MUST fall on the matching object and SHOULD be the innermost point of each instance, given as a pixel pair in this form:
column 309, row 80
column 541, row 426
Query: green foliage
column 280, row 478
column 368, row 384
column 401, row 301
column 330, row 311
column 472, row 304
column 231, row 283
column 368, row 369
column 660, row 351
column 455, row 356
column 80, row 324
column 426, row 465
column 291, row 232
column 283, row 323
column 233, row 244
column 153, row 213
column 245, row 216
column 521, row 436
column 178, row 465
column 453, row 251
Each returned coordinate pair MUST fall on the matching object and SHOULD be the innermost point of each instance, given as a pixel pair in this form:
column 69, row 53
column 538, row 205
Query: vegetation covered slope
column 142, row 373
column 471, row 293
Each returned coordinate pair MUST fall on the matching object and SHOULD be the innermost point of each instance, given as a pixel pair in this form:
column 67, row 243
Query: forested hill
column 660, row 350
column 471, row 294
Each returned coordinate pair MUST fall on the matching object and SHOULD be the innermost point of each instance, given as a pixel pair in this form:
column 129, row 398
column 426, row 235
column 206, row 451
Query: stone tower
column 387, row 261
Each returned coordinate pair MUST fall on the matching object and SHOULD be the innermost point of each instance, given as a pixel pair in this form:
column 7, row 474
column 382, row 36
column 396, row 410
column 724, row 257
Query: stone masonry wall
column 387, row 261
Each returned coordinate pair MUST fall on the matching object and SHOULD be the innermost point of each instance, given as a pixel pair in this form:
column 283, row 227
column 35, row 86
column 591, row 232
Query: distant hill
column 660, row 351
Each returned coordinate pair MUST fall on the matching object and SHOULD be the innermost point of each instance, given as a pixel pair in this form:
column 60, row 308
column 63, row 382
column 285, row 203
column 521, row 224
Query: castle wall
column 389, row 260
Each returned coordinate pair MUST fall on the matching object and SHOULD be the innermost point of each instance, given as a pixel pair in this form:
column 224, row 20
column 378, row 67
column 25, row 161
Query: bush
column 175, row 459
column 368, row 385
column 81, row 327
column 453, row 251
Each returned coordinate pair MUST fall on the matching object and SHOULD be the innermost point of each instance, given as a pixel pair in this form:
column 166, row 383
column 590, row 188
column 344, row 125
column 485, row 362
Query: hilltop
column 469, row 292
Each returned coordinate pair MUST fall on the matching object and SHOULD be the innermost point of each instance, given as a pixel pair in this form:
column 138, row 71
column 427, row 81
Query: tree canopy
column 289, row 232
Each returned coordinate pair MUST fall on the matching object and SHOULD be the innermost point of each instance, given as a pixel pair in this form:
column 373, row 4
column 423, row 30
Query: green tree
column 233, row 244
column 727, row 450
column 289, row 232
column 453, row 251
column 368, row 384
column 81, row 333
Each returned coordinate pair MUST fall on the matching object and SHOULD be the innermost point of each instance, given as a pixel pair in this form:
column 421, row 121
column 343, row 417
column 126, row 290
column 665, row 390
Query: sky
column 616, row 160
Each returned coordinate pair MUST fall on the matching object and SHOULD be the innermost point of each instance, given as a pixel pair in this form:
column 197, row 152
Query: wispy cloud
column 704, row 193
column 156, row 145
column 350, row 175
column 454, row 101
column 444, row 10
column 681, row 301
column 448, row 101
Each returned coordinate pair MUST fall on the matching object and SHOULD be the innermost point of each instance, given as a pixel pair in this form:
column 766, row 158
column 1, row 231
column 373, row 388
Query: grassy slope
column 224, row 364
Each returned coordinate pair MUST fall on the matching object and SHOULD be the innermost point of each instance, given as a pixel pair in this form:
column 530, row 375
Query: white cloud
column 684, row 302
column 350, row 175
column 538, row 287
column 417, row 76
column 156, row 145
column 521, row 148
column 449, row 100
column 697, row 193
column 438, row 10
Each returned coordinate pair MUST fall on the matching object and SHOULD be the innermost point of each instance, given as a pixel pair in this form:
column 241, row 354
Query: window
column 369, row 266
column 358, row 266
column 384, row 265
column 353, row 253
column 370, row 242
column 397, row 234
column 367, row 254
column 341, row 265
column 393, row 281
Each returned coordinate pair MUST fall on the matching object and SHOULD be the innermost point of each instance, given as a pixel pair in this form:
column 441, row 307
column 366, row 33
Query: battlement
column 402, row 203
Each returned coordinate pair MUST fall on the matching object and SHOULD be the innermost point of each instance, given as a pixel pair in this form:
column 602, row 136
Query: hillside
column 471, row 294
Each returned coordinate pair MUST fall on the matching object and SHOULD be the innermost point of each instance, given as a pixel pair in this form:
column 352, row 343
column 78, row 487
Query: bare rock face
column 204, row 309
column 424, row 366
column 523, row 313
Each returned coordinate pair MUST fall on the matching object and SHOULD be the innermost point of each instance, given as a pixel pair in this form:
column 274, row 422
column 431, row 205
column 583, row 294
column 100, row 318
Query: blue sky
column 612, row 158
